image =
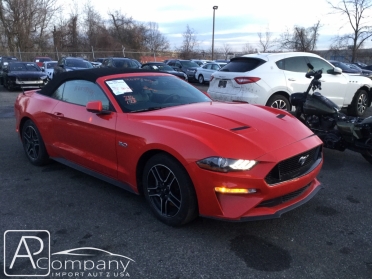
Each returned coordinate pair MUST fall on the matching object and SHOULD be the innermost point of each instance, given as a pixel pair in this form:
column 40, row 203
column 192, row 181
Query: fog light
column 225, row 190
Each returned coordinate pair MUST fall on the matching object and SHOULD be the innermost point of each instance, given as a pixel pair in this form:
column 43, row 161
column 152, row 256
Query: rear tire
column 279, row 102
column 201, row 79
column 359, row 104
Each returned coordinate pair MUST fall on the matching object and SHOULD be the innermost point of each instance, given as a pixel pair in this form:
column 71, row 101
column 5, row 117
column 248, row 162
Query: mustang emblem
column 302, row 160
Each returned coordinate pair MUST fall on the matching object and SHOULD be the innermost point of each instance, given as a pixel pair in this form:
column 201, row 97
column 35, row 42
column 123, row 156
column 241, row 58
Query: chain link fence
column 143, row 57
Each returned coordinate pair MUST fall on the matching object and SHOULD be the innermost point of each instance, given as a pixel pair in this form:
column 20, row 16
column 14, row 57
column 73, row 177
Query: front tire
column 169, row 190
column 33, row 144
column 359, row 104
column 279, row 102
column 201, row 79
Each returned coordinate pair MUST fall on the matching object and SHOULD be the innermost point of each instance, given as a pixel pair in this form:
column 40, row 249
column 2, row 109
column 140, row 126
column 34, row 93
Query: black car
column 67, row 64
column 365, row 72
column 345, row 68
column 159, row 66
column 186, row 66
column 24, row 75
column 4, row 60
column 119, row 62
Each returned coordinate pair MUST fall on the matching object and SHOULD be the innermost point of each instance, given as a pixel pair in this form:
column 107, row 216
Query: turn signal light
column 225, row 190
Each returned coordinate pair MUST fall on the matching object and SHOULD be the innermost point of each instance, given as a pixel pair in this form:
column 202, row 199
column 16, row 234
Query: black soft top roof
column 88, row 74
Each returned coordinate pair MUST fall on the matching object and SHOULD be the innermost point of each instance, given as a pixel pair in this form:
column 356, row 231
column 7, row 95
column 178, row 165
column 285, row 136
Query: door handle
column 292, row 79
column 58, row 114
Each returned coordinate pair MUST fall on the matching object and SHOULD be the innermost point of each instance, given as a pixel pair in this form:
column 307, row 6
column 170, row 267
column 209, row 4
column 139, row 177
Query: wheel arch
column 22, row 123
column 143, row 160
column 369, row 91
column 282, row 93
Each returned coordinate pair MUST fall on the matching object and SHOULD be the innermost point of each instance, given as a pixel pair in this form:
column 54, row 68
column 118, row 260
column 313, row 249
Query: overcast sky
column 237, row 22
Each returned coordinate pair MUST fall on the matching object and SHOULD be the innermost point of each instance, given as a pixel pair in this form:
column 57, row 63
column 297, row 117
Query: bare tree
column 189, row 43
column 25, row 23
column 300, row 39
column 356, row 13
column 247, row 48
column 265, row 41
column 154, row 40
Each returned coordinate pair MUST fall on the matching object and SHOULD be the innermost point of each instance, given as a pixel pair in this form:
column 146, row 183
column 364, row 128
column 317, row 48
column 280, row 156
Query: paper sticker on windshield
column 118, row 86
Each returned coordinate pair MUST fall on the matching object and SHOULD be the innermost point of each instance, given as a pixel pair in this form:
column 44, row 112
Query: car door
column 334, row 86
column 81, row 137
column 295, row 69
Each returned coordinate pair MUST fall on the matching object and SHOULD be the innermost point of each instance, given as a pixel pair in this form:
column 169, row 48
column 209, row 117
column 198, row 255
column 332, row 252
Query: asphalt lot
column 329, row 237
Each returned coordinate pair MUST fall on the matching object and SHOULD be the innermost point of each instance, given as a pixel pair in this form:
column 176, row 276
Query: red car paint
column 188, row 133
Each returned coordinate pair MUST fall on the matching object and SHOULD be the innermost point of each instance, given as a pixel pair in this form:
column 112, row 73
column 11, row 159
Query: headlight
column 221, row 164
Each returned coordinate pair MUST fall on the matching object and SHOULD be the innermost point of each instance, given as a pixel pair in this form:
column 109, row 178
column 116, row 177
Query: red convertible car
column 154, row 134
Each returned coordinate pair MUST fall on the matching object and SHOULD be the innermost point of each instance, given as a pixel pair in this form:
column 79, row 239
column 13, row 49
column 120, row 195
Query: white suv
column 270, row 78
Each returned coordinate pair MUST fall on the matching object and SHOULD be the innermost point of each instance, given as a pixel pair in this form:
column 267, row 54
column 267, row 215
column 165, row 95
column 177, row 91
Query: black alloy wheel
column 33, row 144
column 169, row 190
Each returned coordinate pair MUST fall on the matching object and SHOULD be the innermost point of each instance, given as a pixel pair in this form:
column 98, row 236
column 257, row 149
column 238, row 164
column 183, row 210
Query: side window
column 80, row 92
column 146, row 67
column 320, row 64
column 295, row 64
column 58, row 94
column 215, row 67
column 171, row 63
column 178, row 65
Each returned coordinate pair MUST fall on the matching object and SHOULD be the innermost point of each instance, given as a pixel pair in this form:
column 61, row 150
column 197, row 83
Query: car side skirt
column 95, row 174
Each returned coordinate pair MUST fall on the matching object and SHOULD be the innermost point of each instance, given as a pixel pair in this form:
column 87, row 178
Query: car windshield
column 189, row 64
column 51, row 65
column 79, row 63
column 243, row 64
column 43, row 59
column 123, row 63
column 32, row 67
column 146, row 93
column 161, row 67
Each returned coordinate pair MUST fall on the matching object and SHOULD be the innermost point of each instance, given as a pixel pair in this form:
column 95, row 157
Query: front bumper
column 269, row 201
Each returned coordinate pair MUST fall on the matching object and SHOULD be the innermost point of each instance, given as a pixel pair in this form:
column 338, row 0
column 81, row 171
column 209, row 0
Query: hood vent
column 280, row 116
column 240, row 128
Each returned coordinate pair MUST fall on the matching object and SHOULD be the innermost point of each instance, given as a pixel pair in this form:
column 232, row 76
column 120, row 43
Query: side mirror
column 335, row 71
column 96, row 107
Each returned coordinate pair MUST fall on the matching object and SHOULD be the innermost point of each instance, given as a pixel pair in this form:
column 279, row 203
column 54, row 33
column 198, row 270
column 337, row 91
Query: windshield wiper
column 147, row 109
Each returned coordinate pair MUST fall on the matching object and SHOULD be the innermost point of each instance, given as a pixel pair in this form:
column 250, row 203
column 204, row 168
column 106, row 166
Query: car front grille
column 283, row 199
column 295, row 166
column 28, row 79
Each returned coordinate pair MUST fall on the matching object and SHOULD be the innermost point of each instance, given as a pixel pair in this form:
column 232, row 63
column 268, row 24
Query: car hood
column 75, row 68
column 239, row 128
column 181, row 74
column 28, row 74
